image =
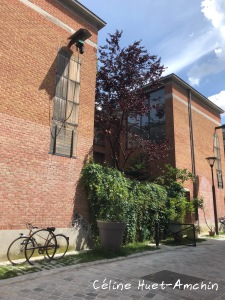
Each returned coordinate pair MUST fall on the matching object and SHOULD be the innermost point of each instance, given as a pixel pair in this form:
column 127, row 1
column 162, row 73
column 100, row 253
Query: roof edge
column 76, row 7
column 205, row 99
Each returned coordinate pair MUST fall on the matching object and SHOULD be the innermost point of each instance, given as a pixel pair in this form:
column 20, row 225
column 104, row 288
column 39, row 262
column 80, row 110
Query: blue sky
column 189, row 36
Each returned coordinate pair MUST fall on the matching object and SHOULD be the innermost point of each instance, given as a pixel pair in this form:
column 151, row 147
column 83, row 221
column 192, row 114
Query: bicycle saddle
column 51, row 229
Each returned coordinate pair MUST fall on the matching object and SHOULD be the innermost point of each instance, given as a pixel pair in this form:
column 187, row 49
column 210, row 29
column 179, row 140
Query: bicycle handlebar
column 30, row 226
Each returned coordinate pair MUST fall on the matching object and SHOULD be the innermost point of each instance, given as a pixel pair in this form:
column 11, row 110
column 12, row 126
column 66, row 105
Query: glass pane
column 157, row 116
column 74, row 71
column 74, row 146
column 77, row 93
column 62, row 65
column 73, row 91
column 217, row 152
column 157, row 104
column 59, row 108
column 61, row 86
column 145, row 127
column 63, row 141
column 134, row 124
column 157, row 133
column 98, row 137
column 52, row 137
column 72, row 113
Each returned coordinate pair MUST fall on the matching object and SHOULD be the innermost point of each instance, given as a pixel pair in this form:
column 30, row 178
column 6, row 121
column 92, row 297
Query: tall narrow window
column 224, row 138
column 151, row 126
column 218, row 162
column 66, row 105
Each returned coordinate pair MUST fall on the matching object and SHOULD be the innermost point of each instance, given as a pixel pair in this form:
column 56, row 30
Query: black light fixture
column 211, row 160
column 78, row 39
column 219, row 127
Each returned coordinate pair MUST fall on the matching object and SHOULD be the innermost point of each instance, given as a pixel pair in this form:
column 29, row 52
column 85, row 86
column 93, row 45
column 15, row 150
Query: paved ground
column 159, row 275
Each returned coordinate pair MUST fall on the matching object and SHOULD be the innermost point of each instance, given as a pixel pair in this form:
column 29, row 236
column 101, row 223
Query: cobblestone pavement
column 171, row 273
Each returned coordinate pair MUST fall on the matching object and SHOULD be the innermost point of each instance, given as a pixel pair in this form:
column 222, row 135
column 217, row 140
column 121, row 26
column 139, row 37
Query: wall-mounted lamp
column 211, row 160
column 78, row 39
column 219, row 127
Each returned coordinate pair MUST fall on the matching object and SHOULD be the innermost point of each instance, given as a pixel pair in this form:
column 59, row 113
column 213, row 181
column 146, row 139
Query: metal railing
column 185, row 233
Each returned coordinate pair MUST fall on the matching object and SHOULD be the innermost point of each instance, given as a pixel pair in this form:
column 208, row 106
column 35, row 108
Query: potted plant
column 111, row 223
column 108, row 203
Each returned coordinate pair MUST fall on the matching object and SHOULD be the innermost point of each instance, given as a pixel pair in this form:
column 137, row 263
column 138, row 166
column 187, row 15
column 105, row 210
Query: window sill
column 62, row 155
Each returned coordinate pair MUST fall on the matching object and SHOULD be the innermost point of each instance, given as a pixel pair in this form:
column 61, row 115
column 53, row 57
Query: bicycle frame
column 40, row 244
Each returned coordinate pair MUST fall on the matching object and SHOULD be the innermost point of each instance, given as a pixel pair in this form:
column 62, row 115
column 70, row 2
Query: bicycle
column 44, row 243
column 37, row 244
column 40, row 244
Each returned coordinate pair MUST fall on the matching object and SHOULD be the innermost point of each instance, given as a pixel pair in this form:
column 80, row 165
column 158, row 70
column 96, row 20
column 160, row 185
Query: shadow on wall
column 80, row 216
column 48, row 84
column 50, row 80
column 82, row 228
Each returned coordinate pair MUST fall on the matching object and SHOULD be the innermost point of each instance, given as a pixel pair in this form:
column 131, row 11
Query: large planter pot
column 111, row 234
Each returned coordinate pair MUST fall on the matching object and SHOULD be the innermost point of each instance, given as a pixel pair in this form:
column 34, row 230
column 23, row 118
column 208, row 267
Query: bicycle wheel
column 62, row 246
column 16, row 250
column 41, row 245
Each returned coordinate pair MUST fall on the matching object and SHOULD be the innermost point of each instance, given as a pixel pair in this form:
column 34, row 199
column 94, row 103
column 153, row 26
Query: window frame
column 146, row 131
column 65, row 114
column 216, row 149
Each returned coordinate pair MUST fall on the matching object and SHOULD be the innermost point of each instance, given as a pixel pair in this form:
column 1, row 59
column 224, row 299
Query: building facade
column 46, row 112
column 189, row 122
column 224, row 138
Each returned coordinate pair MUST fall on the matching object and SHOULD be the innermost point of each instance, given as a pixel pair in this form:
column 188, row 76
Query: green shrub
column 113, row 197
column 108, row 195
column 177, row 204
column 150, row 205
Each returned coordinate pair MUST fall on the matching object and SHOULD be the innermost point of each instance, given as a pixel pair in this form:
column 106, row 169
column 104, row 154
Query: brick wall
column 35, row 186
column 204, row 120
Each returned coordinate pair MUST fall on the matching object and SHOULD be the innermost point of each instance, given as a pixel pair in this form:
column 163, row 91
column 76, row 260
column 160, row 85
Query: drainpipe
column 192, row 146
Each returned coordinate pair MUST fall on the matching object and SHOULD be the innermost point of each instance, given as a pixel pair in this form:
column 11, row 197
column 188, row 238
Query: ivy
column 113, row 197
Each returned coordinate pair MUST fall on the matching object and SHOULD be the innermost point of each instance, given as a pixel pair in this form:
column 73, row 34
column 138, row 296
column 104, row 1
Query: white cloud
column 218, row 51
column 194, row 81
column 219, row 100
column 201, row 45
column 214, row 11
column 198, row 71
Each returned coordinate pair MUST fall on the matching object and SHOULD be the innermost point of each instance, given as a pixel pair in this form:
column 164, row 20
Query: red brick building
column 46, row 111
column 190, row 124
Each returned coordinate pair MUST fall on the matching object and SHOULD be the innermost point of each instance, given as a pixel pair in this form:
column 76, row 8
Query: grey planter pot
column 111, row 234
